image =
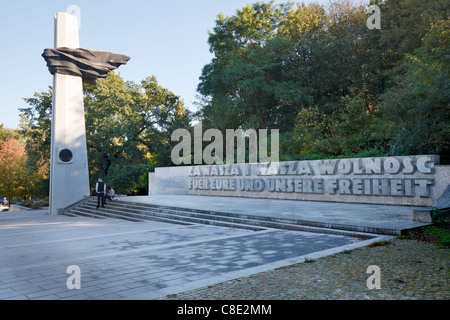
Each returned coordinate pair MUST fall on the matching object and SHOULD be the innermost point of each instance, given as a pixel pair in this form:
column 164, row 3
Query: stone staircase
column 139, row 212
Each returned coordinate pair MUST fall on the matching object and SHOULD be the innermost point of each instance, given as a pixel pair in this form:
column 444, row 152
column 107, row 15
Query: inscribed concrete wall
column 408, row 180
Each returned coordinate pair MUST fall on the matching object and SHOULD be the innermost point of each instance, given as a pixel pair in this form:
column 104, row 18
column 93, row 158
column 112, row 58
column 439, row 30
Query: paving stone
column 149, row 260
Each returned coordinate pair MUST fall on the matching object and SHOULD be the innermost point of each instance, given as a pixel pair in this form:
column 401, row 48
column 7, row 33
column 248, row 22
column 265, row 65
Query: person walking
column 100, row 188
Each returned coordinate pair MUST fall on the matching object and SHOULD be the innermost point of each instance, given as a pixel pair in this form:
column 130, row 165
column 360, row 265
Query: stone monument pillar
column 70, row 66
column 69, row 173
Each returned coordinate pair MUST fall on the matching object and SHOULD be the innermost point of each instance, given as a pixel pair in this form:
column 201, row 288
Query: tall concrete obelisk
column 69, row 174
column 70, row 65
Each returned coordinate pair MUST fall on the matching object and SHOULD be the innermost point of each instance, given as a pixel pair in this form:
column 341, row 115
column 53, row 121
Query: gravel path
column 410, row 269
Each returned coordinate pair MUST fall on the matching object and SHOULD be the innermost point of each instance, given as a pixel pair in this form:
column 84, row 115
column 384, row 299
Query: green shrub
column 27, row 203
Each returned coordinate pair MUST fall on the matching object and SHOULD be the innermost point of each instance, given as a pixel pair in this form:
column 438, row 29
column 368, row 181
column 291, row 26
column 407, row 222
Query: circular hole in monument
column 65, row 155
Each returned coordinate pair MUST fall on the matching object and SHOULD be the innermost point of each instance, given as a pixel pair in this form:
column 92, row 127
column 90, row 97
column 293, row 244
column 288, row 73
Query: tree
column 273, row 60
column 253, row 81
column 36, row 131
column 128, row 129
column 17, row 181
column 416, row 108
column 331, row 85
column 6, row 133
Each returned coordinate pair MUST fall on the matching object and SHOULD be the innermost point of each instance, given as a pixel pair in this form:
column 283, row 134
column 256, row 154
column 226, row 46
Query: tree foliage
column 417, row 107
column 18, row 180
column 128, row 129
column 331, row 85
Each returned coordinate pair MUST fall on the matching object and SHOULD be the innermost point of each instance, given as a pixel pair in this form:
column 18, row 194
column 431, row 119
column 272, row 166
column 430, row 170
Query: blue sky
column 167, row 39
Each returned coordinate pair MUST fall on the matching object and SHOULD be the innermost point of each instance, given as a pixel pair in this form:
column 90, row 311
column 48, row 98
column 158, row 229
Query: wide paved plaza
column 120, row 259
